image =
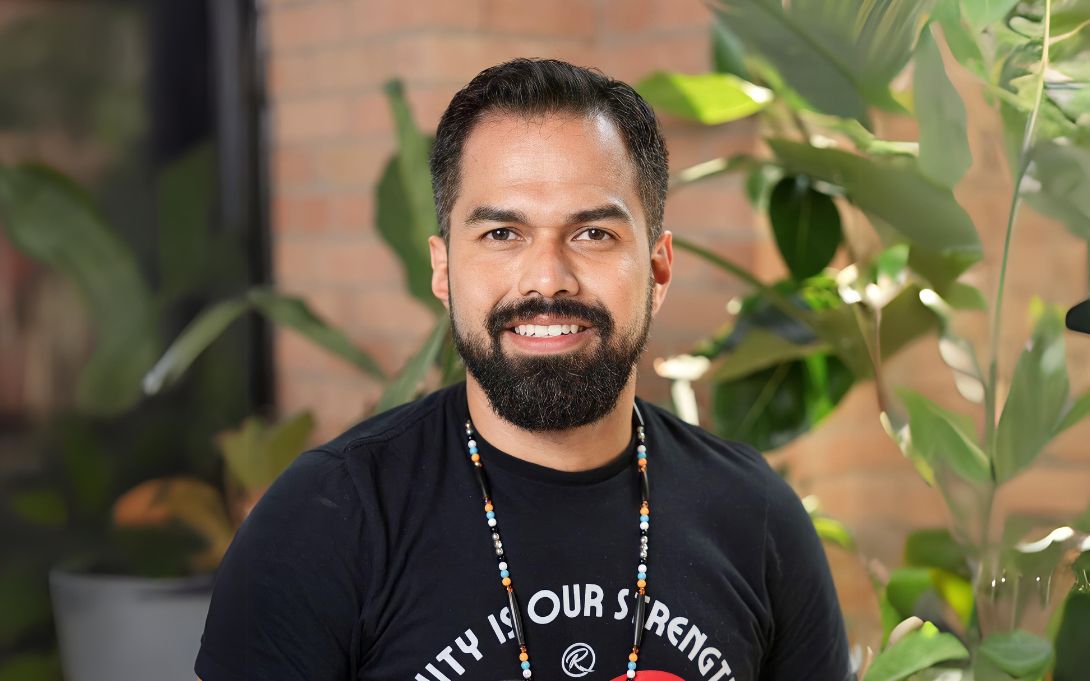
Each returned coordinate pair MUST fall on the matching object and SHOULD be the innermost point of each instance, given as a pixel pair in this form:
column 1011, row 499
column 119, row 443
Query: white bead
column 472, row 443
column 644, row 525
column 641, row 449
column 641, row 568
column 631, row 673
column 503, row 565
column 526, row 673
column 491, row 522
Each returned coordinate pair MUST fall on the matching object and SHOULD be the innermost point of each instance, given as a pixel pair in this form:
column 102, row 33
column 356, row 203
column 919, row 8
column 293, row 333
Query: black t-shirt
column 370, row 559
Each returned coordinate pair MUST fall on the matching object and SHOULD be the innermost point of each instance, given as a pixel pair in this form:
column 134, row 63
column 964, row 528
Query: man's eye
column 595, row 234
column 500, row 234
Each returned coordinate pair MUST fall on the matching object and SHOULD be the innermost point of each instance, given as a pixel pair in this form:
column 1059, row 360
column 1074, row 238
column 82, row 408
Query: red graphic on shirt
column 651, row 675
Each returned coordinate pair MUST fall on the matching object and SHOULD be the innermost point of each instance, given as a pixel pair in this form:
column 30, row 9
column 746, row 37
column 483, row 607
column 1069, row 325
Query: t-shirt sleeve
column 287, row 597
column 809, row 638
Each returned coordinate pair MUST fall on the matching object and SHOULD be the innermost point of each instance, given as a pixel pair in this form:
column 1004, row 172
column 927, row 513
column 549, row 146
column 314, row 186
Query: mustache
column 503, row 314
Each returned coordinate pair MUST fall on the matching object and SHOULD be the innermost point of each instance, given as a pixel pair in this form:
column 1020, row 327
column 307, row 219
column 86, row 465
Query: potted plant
column 814, row 75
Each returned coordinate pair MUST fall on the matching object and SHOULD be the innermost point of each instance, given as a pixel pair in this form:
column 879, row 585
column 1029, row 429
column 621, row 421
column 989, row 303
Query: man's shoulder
column 719, row 458
column 420, row 416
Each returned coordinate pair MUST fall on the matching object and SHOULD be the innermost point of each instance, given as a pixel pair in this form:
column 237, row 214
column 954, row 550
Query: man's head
column 534, row 88
column 550, row 182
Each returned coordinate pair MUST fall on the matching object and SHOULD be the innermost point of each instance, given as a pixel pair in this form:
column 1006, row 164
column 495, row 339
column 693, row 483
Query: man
column 538, row 520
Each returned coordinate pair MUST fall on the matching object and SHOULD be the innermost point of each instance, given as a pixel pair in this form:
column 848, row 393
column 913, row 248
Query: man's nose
column 547, row 270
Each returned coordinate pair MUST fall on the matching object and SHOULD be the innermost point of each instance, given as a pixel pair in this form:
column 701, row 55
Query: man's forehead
column 558, row 152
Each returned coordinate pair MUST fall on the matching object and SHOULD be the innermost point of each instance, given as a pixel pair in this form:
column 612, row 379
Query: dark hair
column 532, row 87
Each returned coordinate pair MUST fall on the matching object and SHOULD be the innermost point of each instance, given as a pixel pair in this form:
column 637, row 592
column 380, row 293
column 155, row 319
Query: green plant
column 813, row 74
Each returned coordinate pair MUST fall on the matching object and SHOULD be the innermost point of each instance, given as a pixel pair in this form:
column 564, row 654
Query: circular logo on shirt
column 577, row 660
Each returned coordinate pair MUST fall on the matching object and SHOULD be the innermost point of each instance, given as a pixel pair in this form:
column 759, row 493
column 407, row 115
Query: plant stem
column 1016, row 200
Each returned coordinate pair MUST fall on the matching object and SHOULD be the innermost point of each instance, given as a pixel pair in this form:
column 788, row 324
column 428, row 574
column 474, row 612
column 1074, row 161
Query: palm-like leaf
column 838, row 54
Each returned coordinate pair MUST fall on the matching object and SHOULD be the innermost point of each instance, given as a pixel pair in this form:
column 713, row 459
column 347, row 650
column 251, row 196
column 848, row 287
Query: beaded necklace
column 505, row 573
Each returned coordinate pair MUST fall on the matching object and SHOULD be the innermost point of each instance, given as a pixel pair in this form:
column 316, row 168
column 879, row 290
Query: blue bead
column 641, row 575
column 504, row 573
column 641, row 455
column 631, row 665
column 490, row 515
column 472, row 450
column 645, row 518
column 526, row 665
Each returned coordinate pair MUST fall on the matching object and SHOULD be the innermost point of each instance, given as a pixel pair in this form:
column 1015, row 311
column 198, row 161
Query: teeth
column 539, row 331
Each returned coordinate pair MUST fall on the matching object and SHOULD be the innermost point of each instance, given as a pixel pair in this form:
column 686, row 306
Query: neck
column 577, row 449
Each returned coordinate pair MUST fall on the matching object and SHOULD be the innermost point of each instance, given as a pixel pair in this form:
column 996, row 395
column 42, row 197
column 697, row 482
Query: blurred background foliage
column 133, row 487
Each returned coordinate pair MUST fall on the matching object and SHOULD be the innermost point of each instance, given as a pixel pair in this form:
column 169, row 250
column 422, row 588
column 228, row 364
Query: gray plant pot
column 117, row 628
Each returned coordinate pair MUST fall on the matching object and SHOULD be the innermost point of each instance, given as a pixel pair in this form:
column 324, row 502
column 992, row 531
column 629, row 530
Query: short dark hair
column 532, row 87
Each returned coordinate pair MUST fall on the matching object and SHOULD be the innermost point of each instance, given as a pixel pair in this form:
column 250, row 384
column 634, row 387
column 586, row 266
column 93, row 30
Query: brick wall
column 332, row 133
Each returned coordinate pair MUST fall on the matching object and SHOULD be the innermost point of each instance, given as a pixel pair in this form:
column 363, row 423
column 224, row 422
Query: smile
column 552, row 330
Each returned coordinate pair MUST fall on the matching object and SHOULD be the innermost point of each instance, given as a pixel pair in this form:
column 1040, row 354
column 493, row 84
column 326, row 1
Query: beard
column 556, row 391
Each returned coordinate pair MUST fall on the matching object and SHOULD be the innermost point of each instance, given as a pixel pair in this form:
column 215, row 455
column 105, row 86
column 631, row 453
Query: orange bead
column 506, row 581
column 632, row 657
column 474, row 457
column 641, row 583
column 523, row 657
column 488, row 507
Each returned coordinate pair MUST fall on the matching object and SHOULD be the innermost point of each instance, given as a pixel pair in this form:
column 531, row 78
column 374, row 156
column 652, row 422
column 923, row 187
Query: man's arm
column 809, row 639
column 287, row 595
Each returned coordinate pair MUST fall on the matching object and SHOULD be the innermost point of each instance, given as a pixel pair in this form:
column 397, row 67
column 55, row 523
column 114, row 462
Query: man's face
column 548, row 276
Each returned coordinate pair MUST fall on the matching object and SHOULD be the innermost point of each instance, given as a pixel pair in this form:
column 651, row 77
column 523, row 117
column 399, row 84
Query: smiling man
column 507, row 527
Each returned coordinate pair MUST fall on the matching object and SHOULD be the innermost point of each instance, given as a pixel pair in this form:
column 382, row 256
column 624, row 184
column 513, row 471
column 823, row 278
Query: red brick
column 371, row 18
column 563, row 19
column 300, row 212
column 302, row 25
column 291, row 168
column 623, row 18
column 324, row 118
column 352, row 212
column 355, row 165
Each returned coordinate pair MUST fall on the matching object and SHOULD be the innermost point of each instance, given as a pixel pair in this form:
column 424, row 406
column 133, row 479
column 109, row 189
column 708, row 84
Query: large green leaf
column 31, row 666
column 832, row 531
column 905, row 588
column 405, row 386
column 1076, row 411
column 924, row 213
column 709, row 98
column 284, row 310
column 960, row 38
column 940, row 113
column 193, row 340
column 295, row 314
column 50, row 219
column 185, row 191
column 404, row 206
column 1037, row 398
column 943, row 439
column 936, row 548
column 1018, row 653
column 728, row 54
column 1071, row 641
column 256, row 453
column 918, row 650
column 981, row 13
column 761, row 349
column 771, row 407
column 1062, row 188
column 806, row 225
column 839, row 54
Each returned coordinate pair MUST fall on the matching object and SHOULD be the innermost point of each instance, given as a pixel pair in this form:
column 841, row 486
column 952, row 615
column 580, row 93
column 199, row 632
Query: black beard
column 557, row 391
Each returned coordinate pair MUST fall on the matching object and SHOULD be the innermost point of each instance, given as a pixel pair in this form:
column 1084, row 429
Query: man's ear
column 440, row 286
column 662, row 263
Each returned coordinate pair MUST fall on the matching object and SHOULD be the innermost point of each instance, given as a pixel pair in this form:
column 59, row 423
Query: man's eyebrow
column 610, row 211
column 494, row 214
